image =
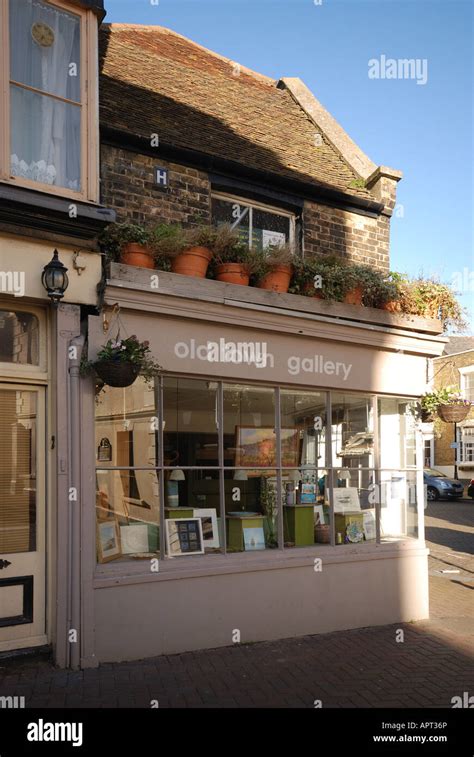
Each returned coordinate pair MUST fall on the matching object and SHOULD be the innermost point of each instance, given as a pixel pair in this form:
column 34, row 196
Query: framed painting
column 256, row 447
column 210, row 533
column 184, row 536
column 108, row 540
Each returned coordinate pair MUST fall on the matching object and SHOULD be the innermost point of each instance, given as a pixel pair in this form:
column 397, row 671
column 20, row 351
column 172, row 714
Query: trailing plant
column 431, row 299
column 447, row 395
column 129, row 350
column 377, row 287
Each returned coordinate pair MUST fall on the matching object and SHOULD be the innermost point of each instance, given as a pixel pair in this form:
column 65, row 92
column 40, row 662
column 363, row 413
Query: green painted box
column 298, row 524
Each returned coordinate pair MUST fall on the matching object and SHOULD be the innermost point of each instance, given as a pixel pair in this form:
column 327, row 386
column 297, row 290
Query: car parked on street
column 439, row 486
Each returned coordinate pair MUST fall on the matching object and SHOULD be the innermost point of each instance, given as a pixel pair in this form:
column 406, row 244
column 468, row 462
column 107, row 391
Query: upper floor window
column 258, row 225
column 50, row 137
column 467, row 382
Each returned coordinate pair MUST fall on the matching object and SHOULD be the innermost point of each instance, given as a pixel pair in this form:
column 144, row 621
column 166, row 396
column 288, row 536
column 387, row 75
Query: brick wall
column 127, row 187
column 361, row 239
column 445, row 375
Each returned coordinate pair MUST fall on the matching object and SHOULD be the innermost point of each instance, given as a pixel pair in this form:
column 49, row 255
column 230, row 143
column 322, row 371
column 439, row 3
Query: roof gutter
column 321, row 193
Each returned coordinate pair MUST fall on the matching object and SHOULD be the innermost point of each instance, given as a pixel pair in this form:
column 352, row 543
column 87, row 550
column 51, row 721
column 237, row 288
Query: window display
column 275, row 475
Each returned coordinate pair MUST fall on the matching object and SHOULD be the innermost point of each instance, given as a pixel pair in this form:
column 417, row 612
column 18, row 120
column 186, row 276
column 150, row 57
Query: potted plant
column 455, row 408
column 447, row 403
column 307, row 279
column 196, row 254
column 231, row 260
column 167, row 241
column 378, row 289
column 120, row 361
column 127, row 243
column 273, row 267
column 431, row 299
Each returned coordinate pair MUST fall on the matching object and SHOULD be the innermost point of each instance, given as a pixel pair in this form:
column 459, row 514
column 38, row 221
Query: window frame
column 89, row 69
column 464, row 372
column 329, row 467
column 254, row 204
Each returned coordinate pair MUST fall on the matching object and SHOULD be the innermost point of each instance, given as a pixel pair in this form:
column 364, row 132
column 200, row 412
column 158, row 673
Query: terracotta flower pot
column 138, row 255
column 392, row 306
column 278, row 279
column 354, row 296
column 192, row 262
column 233, row 273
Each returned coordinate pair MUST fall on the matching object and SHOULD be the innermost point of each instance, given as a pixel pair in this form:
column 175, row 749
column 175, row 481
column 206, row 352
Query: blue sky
column 424, row 130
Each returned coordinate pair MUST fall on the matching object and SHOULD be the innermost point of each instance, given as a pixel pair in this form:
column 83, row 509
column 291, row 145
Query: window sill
column 29, row 208
column 216, row 565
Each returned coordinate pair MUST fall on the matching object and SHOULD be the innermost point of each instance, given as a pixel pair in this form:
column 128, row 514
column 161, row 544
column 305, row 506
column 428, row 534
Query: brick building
column 222, row 129
column 456, row 368
column 191, row 512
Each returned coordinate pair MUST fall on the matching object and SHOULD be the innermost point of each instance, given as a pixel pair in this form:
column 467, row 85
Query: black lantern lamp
column 55, row 280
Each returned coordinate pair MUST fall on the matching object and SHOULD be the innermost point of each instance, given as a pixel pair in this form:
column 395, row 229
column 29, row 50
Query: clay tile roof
column 156, row 81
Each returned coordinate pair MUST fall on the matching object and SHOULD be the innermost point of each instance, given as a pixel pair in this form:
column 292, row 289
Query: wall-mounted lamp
column 54, row 279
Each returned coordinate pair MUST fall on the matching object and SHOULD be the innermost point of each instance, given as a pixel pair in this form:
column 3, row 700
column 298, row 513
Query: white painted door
column 22, row 517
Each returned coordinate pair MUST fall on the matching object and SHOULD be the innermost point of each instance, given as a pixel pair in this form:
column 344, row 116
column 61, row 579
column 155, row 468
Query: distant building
column 455, row 367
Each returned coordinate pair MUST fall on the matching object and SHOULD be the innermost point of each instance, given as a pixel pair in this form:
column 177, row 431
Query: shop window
column 228, row 467
column 192, row 512
column 190, row 423
column 127, row 526
column 19, row 338
column 258, row 226
column 49, row 97
column 251, row 508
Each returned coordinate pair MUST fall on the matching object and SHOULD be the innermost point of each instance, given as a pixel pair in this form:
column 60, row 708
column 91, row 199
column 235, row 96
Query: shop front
column 268, row 483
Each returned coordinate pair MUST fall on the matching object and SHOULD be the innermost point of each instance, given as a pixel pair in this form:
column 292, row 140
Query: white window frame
column 468, row 369
column 89, row 106
column 465, row 446
column 252, row 204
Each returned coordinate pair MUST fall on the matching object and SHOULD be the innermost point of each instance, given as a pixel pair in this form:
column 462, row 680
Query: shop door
column 22, row 517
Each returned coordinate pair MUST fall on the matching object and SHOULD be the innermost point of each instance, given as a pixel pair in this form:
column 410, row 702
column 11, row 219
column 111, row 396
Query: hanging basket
column 117, row 372
column 453, row 413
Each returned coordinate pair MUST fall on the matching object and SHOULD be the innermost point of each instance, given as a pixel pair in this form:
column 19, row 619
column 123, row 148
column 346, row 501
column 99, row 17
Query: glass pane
column 190, row 422
column 191, row 495
column 398, row 504
column 19, row 333
column 251, row 510
column 352, row 431
column 397, row 431
column 128, row 514
column 126, row 426
column 303, row 428
column 234, row 213
column 269, row 229
column 305, row 507
column 17, row 471
column 45, row 139
column 249, row 426
column 45, row 46
column 355, row 497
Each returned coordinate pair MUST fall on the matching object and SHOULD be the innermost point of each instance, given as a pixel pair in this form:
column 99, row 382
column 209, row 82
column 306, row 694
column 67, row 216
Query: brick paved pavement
column 361, row 668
